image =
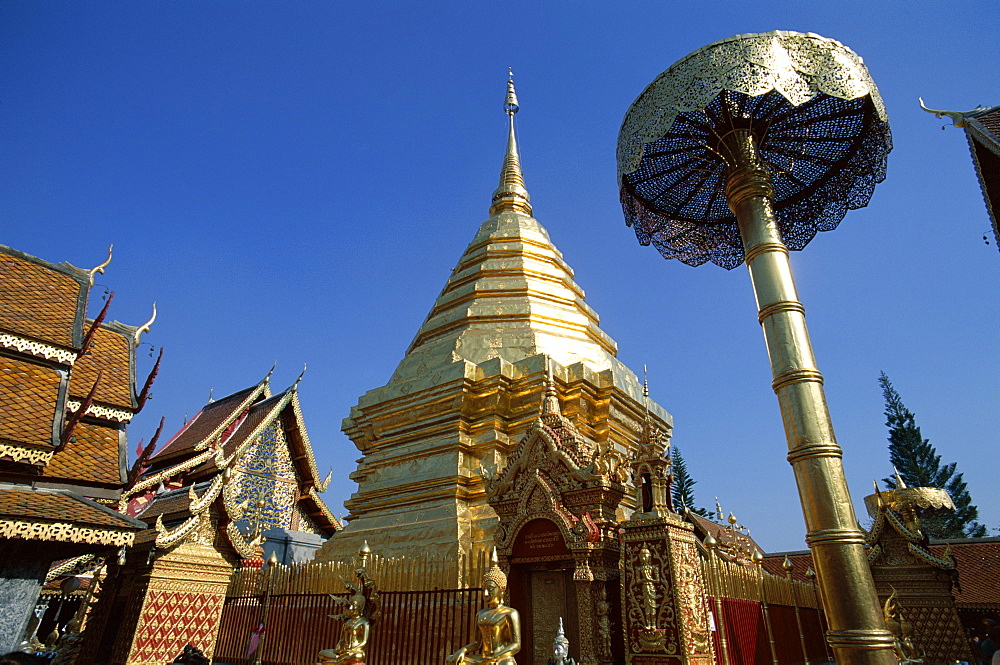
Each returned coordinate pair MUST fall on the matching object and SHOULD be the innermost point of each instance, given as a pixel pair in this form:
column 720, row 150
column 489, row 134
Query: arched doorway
column 542, row 590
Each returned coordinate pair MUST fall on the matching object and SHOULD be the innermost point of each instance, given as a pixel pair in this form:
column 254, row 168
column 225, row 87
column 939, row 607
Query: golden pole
column 857, row 633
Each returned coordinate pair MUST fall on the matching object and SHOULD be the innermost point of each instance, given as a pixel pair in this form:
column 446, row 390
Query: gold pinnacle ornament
column 739, row 152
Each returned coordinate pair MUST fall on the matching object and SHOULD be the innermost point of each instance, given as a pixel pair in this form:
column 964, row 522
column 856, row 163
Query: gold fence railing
column 390, row 574
column 728, row 578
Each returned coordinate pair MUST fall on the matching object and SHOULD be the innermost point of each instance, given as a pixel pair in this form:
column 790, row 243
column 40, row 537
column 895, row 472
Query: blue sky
column 295, row 182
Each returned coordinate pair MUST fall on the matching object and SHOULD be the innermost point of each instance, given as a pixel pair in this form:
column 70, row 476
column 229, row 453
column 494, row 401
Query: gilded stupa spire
column 511, row 194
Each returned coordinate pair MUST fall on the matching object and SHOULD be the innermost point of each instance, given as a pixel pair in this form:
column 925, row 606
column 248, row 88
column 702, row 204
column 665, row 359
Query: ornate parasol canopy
column 816, row 117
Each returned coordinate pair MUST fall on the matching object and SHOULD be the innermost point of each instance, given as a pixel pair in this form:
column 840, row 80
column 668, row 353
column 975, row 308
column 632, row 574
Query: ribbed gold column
column 857, row 633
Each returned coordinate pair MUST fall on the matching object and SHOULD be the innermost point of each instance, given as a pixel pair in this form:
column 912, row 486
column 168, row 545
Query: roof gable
column 112, row 355
column 42, row 300
column 207, row 425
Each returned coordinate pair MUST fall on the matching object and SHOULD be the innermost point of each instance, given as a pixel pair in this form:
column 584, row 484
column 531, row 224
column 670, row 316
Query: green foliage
column 682, row 490
column 919, row 465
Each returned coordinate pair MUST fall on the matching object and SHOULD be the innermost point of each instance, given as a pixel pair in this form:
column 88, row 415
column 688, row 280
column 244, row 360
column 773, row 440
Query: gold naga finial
column 303, row 373
column 957, row 117
column 321, row 487
column 900, row 484
column 143, row 328
column 511, row 194
column 100, row 268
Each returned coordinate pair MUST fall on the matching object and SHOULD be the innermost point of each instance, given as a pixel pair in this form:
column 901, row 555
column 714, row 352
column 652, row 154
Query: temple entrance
column 542, row 590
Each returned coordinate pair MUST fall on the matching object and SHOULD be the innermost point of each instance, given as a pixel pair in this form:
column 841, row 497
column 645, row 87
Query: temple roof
column 218, row 437
column 59, row 514
column 42, row 300
column 977, row 561
column 982, row 129
column 95, row 455
column 209, row 423
column 29, row 397
column 111, row 354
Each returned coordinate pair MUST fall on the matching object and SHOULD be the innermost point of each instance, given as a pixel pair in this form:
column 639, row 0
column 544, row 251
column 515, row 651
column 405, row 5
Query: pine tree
column 683, row 486
column 919, row 465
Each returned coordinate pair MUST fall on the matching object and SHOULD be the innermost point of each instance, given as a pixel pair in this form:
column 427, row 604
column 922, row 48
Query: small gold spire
column 550, row 404
column 511, row 194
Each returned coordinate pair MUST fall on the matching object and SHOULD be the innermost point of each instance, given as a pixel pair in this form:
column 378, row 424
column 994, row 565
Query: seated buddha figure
column 354, row 635
column 499, row 626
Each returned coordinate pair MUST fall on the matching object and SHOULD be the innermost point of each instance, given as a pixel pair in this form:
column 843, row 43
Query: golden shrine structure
column 471, row 383
column 67, row 391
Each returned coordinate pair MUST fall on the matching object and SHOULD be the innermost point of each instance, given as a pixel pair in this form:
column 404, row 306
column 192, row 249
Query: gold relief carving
column 64, row 532
column 204, row 588
column 603, row 610
column 691, row 592
column 650, row 608
column 166, row 537
column 27, row 454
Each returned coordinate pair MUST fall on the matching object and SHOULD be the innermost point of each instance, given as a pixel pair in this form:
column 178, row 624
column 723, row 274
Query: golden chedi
column 471, row 384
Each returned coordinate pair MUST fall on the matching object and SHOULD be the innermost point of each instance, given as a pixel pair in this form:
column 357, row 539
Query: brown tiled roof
column 55, row 586
column 207, row 421
column 28, row 396
column 255, row 418
column 41, row 300
column 801, row 562
column 60, row 506
column 111, row 353
column 717, row 531
column 169, row 504
column 978, row 564
column 976, row 559
column 93, row 458
column 991, row 121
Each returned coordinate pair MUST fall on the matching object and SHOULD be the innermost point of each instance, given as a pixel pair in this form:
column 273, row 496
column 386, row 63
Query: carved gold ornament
column 798, row 66
column 63, row 532
column 36, row 348
column 26, row 453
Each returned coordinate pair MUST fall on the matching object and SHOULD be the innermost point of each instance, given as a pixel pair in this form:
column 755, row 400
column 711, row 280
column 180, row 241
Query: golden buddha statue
column 499, row 626
column 353, row 635
column 362, row 613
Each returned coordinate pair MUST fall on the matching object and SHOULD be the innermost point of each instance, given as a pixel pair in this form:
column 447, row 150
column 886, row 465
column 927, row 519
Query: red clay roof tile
column 28, row 396
column 38, row 300
column 59, row 506
column 111, row 353
column 209, row 419
column 93, row 458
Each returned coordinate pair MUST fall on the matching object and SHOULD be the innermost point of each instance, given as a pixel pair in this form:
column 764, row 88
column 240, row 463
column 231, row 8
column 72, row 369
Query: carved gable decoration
column 558, row 475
